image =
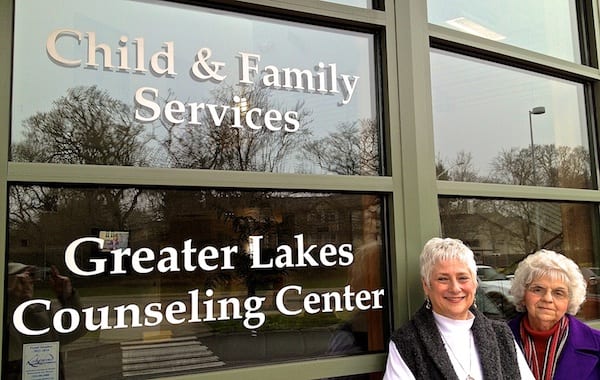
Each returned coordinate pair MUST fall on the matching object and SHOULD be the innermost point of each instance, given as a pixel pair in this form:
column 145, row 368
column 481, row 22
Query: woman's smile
column 451, row 289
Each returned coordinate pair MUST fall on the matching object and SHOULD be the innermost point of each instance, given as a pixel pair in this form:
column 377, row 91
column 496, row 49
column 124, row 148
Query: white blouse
column 459, row 345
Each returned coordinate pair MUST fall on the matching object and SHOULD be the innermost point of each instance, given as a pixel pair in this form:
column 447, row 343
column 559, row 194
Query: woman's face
column 546, row 301
column 452, row 289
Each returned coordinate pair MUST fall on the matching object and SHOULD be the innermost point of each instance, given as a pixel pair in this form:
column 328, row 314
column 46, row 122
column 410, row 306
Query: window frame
column 589, row 75
column 406, row 120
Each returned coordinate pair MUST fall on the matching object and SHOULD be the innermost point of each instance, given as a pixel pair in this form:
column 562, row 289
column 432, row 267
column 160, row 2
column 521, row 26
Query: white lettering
column 270, row 117
column 279, row 300
column 71, row 262
column 249, row 64
column 59, row 320
column 327, row 302
column 167, row 57
column 18, row 318
column 349, row 87
column 149, row 104
column 172, row 108
column 290, row 300
column 161, row 62
column 324, row 79
column 140, row 256
column 51, row 46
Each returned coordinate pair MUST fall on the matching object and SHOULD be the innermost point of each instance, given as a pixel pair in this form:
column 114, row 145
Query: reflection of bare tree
column 461, row 168
column 505, row 230
column 519, row 219
column 86, row 126
column 227, row 147
column 352, row 150
column 557, row 166
column 48, row 218
column 250, row 223
column 490, row 227
column 513, row 167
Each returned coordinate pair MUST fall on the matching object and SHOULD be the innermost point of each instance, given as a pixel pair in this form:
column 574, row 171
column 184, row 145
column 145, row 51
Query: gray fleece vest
column 420, row 344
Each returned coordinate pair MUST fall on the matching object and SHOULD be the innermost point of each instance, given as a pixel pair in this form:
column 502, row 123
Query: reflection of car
column 591, row 277
column 487, row 306
column 596, row 270
column 497, row 287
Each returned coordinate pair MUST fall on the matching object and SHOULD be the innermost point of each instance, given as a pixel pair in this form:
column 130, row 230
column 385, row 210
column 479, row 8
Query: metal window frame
column 409, row 186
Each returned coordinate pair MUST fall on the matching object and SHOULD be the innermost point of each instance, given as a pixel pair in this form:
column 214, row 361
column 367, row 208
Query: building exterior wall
column 416, row 169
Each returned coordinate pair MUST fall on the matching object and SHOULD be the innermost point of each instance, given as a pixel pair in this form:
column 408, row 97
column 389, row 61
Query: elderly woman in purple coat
column 549, row 289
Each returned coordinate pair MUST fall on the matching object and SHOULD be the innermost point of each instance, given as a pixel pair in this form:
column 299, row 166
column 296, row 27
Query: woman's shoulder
column 498, row 325
column 406, row 332
column 422, row 319
column 574, row 321
column 584, row 331
column 501, row 329
column 515, row 321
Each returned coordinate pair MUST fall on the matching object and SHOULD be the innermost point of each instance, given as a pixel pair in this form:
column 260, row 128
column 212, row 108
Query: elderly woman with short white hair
column 549, row 289
column 448, row 338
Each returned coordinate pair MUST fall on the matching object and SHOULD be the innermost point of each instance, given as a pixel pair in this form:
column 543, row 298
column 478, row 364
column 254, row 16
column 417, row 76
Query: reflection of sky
column 354, row 3
column 38, row 81
column 548, row 27
column 483, row 109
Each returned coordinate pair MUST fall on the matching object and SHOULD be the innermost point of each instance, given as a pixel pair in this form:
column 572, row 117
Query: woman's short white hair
column 438, row 249
column 546, row 263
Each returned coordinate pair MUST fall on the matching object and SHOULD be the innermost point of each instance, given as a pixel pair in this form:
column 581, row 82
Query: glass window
column 547, row 27
column 205, row 89
column 367, row 4
column 503, row 232
column 213, row 278
column 364, row 376
column 494, row 123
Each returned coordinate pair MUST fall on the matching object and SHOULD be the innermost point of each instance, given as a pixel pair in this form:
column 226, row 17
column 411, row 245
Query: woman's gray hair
column 546, row 263
column 438, row 249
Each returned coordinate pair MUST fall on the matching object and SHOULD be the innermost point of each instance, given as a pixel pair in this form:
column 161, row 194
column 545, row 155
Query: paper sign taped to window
column 40, row 361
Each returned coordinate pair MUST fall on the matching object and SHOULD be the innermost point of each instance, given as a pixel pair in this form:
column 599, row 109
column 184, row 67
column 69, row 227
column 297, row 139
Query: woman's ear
column 425, row 287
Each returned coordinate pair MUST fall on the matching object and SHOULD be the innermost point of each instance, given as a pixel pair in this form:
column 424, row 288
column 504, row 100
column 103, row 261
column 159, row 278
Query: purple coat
column 580, row 358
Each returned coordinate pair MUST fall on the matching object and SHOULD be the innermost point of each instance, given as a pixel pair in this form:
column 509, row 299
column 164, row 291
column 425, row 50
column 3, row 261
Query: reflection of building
column 212, row 222
column 321, row 219
column 501, row 239
column 84, row 154
column 495, row 240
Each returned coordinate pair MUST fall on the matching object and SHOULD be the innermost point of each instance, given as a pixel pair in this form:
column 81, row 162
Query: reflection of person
column 362, row 330
column 115, row 242
column 549, row 289
column 448, row 338
column 346, row 341
column 20, row 288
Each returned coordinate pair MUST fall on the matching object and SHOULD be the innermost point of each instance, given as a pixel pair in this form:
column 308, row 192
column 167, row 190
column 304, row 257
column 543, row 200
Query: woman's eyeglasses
column 558, row 294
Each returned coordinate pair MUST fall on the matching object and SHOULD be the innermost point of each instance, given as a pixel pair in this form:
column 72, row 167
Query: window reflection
column 367, row 4
column 246, row 277
column 257, row 95
column 497, row 124
column 502, row 232
column 526, row 24
column 364, row 376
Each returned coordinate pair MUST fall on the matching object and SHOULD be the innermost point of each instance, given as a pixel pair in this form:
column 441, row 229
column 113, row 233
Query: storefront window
column 355, row 3
column 503, row 232
column 365, row 376
column 547, row 27
column 497, row 124
column 213, row 278
column 202, row 88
